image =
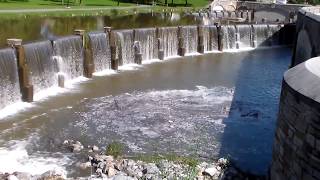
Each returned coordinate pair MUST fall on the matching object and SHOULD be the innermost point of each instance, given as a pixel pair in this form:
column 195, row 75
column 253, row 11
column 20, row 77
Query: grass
column 52, row 4
column 115, row 149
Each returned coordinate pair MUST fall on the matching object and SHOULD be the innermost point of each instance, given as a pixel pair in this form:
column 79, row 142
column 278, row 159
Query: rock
column 111, row 172
column 76, row 147
column 122, row 177
column 53, row 175
column 84, row 166
column 22, row 175
column 223, row 162
column 100, row 158
column 212, row 171
column 150, row 168
column 12, row 177
column 66, row 142
column 95, row 148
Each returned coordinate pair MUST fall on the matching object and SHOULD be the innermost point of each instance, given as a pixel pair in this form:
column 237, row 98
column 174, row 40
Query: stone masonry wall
column 296, row 151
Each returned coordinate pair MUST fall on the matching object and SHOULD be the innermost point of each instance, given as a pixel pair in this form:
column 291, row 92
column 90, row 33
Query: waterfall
column 9, row 80
column 244, row 36
column 190, row 34
column 260, row 34
column 69, row 55
column 274, row 31
column 125, row 40
column 210, row 37
column 41, row 65
column 101, row 50
column 229, row 36
column 148, row 42
column 169, row 37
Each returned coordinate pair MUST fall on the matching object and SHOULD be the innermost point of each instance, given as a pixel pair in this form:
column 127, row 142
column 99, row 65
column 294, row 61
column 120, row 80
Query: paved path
column 68, row 9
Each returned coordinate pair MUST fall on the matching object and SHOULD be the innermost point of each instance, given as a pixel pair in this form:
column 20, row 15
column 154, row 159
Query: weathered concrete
column 88, row 65
column 307, row 35
column 26, row 88
column 296, row 151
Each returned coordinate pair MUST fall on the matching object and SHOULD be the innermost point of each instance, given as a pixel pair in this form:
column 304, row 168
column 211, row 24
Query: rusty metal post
column 113, row 47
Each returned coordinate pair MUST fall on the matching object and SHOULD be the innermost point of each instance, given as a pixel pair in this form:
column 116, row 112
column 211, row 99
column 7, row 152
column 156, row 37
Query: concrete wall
column 296, row 151
column 307, row 35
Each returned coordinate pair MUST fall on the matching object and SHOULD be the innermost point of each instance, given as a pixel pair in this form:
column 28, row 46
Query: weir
column 100, row 50
column 169, row 37
column 45, row 64
column 68, row 52
column 124, row 42
column 43, row 69
column 9, row 79
column 148, row 42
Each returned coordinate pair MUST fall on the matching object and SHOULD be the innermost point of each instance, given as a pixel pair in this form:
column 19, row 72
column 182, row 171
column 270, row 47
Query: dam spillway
column 67, row 55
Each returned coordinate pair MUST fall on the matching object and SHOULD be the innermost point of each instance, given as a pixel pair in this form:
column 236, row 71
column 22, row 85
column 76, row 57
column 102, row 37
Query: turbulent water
column 148, row 43
column 9, row 80
column 169, row 38
column 190, row 35
column 125, row 40
column 69, row 55
column 101, row 50
column 43, row 68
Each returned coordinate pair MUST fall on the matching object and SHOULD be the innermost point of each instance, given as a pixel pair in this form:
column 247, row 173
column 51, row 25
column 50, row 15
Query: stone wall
column 296, row 151
column 307, row 35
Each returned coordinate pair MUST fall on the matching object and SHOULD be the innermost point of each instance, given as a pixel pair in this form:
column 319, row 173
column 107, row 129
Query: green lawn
column 39, row 4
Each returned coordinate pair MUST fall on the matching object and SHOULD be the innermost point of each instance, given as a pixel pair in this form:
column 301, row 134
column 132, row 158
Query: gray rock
column 122, row 177
column 150, row 168
column 95, row 148
column 53, row 175
column 211, row 171
column 22, row 175
column 111, row 172
column 84, row 166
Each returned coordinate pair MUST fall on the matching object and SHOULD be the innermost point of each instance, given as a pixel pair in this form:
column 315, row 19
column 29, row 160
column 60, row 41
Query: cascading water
column 229, row 37
column 148, row 42
column 169, row 37
column 244, row 36
column 274, row 30
column 69, row 56
column 190, row 35
column 39, row 58
column 260, row 34
column 125, row 40
column 210, row 38
column 9, row 80
column 101, row 50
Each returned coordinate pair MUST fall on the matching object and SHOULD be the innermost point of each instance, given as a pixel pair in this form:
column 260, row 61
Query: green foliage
column 115, row 149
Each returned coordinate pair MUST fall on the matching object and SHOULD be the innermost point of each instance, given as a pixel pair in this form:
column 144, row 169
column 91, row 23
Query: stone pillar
column 253, row 37
column 200, row 39
column 220, row 37
column 160, row 49
column 88, row 64
column 181, row 48
column 61, row 80
column 250, row 16
column 237, row 37
column 26, row 88
column 160, row 45
column 137, row 52
column 113, row 48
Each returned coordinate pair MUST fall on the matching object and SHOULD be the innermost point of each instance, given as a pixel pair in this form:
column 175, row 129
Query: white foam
column 106, row 72
column 16, row 158
column 13, row 109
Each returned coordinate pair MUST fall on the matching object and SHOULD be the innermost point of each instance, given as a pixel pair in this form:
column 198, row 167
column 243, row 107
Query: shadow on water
column 249, row 128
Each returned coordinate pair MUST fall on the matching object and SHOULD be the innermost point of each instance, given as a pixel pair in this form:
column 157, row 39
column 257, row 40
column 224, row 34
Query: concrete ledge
column 305, row 78
column 311, row 12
